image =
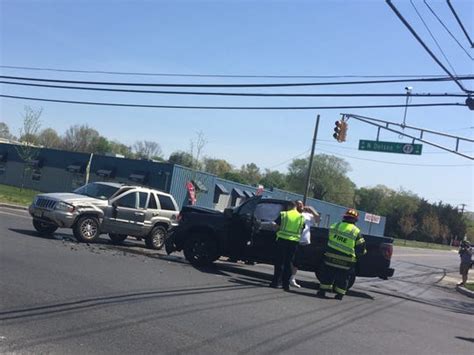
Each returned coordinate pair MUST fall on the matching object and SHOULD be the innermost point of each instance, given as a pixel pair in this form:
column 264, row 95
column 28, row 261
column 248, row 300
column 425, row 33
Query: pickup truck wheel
column 117, row 238
column 44, row 228
column 86, row 229
column 156, row 238
column 200, row 250
column 351, row 282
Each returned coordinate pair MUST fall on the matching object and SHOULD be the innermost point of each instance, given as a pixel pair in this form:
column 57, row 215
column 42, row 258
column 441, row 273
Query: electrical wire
column 360, row 82
column 447, row 29
column 231, row 93
column 216, row 75
column 460, row 23
column 433, row 37
column 288, row 160
column 230, row 107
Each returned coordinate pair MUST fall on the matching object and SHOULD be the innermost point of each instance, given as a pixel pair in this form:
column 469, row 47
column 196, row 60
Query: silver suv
column 104, row 207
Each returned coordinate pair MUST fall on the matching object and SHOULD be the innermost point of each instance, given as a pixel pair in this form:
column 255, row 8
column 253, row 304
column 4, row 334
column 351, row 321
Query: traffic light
column 340, row 131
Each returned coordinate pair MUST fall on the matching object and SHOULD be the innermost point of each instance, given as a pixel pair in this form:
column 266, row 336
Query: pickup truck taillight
column 387, row 250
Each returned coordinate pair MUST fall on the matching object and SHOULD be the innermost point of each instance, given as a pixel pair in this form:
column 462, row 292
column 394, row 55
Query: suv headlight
column 63, row 206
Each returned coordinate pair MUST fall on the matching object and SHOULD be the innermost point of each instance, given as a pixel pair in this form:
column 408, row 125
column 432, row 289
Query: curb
column 465, row 291
column 15, row 207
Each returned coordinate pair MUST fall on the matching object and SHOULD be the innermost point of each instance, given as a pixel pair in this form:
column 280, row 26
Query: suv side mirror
column 228, row 212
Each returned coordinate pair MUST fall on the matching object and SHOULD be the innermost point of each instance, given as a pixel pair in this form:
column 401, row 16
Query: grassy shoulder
column 469, row 286
column 424, row 245
column 16, row 196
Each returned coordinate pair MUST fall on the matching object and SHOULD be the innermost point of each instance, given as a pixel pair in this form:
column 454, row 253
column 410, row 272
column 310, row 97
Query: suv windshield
column 99, row 191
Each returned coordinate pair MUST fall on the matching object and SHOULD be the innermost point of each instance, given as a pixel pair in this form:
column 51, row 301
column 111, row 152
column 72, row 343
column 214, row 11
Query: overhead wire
column 95, row 103
column 447, row 29
column 82, row 71
column 201, row 93
column 460, row 23
column 246, row 85
column 433, row 37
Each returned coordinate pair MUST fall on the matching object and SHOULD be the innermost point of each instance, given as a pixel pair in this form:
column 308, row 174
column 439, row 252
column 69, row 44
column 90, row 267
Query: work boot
column 339, row 296
column 294, row 283
column 321, row 294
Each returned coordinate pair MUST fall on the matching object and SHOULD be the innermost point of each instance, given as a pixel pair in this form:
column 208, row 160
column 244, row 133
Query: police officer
column 290, row 224
column 344, row 246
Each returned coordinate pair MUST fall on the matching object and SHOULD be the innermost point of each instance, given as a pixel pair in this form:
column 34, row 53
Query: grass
column 16, row 196
column 469, row 286
column 424, row 245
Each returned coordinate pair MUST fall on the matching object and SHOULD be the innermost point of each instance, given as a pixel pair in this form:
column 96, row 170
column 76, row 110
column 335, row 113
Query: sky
column 250, row 38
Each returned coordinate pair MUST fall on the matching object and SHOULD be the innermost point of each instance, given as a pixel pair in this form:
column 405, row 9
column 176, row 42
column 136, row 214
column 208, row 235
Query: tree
column 49, row 138
column 196, row 148
column 328, row 179
column 120, row 148
column 181, row 158
column 373, row 199
column 81, row 138
column 234, row 176
column 5, row 131
column 430, row 227
column 407, row 225
column 147, row 149
column 217, row 167
column 250, row 173
column 273, row 179
column 28, row 137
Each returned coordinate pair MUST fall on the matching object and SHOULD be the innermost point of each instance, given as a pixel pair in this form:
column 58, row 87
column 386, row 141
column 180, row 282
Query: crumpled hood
column 74, row 199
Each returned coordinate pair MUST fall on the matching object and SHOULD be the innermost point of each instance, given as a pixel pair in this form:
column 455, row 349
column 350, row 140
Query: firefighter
column 344, row 246
column 290, row 224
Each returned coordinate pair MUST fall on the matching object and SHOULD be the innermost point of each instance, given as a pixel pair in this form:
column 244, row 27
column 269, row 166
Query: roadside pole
column 310, row 167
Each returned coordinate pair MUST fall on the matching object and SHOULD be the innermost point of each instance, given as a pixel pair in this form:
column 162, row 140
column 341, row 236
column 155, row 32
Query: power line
column 233, row 93
column 460, row 23
column 230, row 107
column 447, row 29
column 216, row 75
column 394, row 163
column 433, row 37
column 360, row 82
column 412, row 31
column 288, row 160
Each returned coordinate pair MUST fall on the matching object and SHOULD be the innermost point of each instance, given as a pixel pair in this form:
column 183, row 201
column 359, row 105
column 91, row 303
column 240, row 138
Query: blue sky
column 247, row 37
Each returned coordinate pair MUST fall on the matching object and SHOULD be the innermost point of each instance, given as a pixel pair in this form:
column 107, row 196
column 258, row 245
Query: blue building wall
column 54, row 176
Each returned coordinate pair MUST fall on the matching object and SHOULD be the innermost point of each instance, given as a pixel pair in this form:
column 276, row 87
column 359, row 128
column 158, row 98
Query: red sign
column 191, row 193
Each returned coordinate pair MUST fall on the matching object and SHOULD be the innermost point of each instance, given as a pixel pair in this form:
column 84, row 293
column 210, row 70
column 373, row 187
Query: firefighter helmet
column 351, row 215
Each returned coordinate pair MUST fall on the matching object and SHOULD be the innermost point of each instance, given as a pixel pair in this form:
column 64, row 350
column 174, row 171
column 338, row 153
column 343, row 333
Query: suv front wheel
column 86, row 229
column 44, row 228
column 156, row 238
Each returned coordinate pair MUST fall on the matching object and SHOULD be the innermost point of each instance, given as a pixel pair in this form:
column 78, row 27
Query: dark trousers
column 333, row 278
column 285, row 252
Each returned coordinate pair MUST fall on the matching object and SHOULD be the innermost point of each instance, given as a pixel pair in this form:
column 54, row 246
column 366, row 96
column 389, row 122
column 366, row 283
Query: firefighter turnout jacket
column 291, row 225
column 344, row 246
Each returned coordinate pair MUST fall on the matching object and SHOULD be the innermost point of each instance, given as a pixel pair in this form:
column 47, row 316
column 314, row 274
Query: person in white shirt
column 311, row 219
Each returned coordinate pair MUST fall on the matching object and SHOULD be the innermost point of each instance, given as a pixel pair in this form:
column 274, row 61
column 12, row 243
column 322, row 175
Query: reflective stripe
column 360, row 241
column 341, row 257
column 325, row 287
column 338, row 246
column 336, row 265
column 339, row 290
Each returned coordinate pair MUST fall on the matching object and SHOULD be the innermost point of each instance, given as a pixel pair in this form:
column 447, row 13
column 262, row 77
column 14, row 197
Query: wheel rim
column 158, row 238
column 200, row 250
column 88, row 229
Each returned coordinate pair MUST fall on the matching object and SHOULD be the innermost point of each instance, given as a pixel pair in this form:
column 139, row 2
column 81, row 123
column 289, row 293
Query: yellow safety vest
column 292, row 223
column 342, row 237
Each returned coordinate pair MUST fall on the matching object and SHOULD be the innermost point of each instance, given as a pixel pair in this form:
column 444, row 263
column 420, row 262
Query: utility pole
column 310, row 167
column 462, row 209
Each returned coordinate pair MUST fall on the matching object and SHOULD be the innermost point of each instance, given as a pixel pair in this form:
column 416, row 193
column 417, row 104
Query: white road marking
column 15, row 215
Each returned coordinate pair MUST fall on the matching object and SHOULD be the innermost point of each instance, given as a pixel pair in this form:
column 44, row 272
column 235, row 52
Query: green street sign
column 390, row 147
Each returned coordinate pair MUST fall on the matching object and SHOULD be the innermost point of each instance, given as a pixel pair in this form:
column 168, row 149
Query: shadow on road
column 471, row 340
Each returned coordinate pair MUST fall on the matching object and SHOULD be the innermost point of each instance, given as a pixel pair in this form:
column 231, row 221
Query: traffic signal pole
column 310, row 167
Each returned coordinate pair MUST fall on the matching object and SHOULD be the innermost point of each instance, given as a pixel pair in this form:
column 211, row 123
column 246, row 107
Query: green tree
column 116, row 147
column 81, row 138
column 217, row 167
column 373, row 199
column 407, row 226
column 329, row 181
column 430, row 227
column 181, row 158
column 5, row 131
column 273, row 178
column 234, row 176
column 250, row 173
column 49, row 138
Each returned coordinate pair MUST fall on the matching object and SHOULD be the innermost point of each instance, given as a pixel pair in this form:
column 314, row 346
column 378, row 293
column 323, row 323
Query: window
column 128, row 200
column 166, row 203
column 100, row 191
column 267, row 211
column 143, row 199
column 152, row 202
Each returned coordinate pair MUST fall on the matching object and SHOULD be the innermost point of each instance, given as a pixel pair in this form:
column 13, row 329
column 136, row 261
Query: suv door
column 168, row 208
column 126, row 216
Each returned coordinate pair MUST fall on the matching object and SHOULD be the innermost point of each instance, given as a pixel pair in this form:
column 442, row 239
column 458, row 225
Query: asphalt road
column 61, row 297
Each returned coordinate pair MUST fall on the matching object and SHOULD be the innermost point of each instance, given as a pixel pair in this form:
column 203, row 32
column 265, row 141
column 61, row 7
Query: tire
column 86, row 229
column 201, row 250
column 352, row 278
column 44, row 228
column 156, row 238
column 117, row 238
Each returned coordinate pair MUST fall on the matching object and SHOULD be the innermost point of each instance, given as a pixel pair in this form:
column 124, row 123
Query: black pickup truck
column 247, row 233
